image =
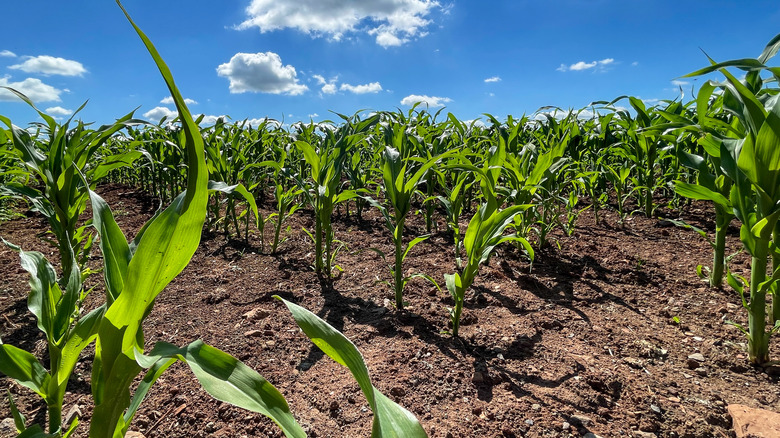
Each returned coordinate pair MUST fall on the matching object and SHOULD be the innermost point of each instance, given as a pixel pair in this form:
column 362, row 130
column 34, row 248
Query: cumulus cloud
column 679, row 83
column 493, row 79
column 49, row 65
column 373, row 87
column 582, row 65
column 431, row 101
column 328, row 86
column 261, row 73
column 7, row 54
column 391, row 22
column 169, row 101
column 58, row 111
column 157, row 113
column 33, row 88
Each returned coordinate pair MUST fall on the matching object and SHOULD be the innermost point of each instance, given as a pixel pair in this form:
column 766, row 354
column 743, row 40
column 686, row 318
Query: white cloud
column 373, row 87
column 33, row 88
column 493, row 79
column 679, row 83
column 49, row 65
column 169, row 101
column 261, row 73
column 209, row 120
column 313, row 116
column 58, row 111
column 159, row 112
column 7, row 54
column 431, row 101
column 582, row 65
column 328, row 86
column 391, row 22
column 634, row 64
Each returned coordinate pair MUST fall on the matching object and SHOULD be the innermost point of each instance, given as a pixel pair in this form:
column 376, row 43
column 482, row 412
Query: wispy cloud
column 679, row 83
column 169, row 101
column 7, row 54
column 261, row 73
column 58, row 111
column 373, row 87
column 582, row 65
column 493, row 79
column 431, row 101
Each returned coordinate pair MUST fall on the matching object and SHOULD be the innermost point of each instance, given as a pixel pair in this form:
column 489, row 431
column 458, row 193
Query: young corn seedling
column 324, row 189
column 751, row 158
column 484, row 232
column 54, row 158
column 402, row 172
column 286, row 195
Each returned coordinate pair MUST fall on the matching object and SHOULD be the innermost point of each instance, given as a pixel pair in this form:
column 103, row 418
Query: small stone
column 674, row 399
column 694, row 360
column 565, row 425
column 633, row 362
column 134, row 434
column 641, row 434
column 398, row 391
column 253, row 333
column 210, row 427
column 529, row 422
column 580, row 420
column 750, row 422
column 7, row 427
column 536, row 407
column 256, row 313
column 701, row 371
column 73, row 412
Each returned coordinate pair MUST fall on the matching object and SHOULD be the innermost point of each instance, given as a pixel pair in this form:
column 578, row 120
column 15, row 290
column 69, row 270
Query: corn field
column 496, row 189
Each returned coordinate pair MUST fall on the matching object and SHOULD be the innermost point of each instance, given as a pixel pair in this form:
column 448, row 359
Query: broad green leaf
column 222, row 187
column 24, row 368
column 113, row 245
column 695, row 191
column 390, row 419
column 227, row 379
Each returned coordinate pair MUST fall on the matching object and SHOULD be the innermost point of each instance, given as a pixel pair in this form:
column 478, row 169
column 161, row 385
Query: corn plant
column 484, row 232
column 54, row 159
column 286, row 194
column 750, row 156
column 228, row 164
column 323, row 190
column 402, row 172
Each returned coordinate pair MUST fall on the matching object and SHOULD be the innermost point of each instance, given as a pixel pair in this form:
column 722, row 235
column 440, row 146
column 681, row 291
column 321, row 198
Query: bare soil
column 593, row 337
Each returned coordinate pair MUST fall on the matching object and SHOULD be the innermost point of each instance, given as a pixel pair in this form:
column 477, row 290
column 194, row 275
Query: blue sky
column 300, row 59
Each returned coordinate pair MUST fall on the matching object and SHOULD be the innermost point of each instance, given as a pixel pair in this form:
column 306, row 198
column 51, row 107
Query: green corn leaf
column 83, row 333
column 390, row 419
column 24, row 368
column 45, row 293
column 113, row 245
column 226, row 379
column 222, row 187
column 19, row 420
column 695, row 191
column 413, row 243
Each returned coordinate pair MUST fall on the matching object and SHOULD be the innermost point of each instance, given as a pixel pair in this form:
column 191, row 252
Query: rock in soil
column 754, row 423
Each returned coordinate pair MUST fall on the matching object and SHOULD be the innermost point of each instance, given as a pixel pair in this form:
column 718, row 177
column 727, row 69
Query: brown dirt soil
column 584, row 341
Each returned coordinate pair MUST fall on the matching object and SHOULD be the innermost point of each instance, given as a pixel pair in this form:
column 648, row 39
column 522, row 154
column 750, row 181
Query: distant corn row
column 513, row 181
